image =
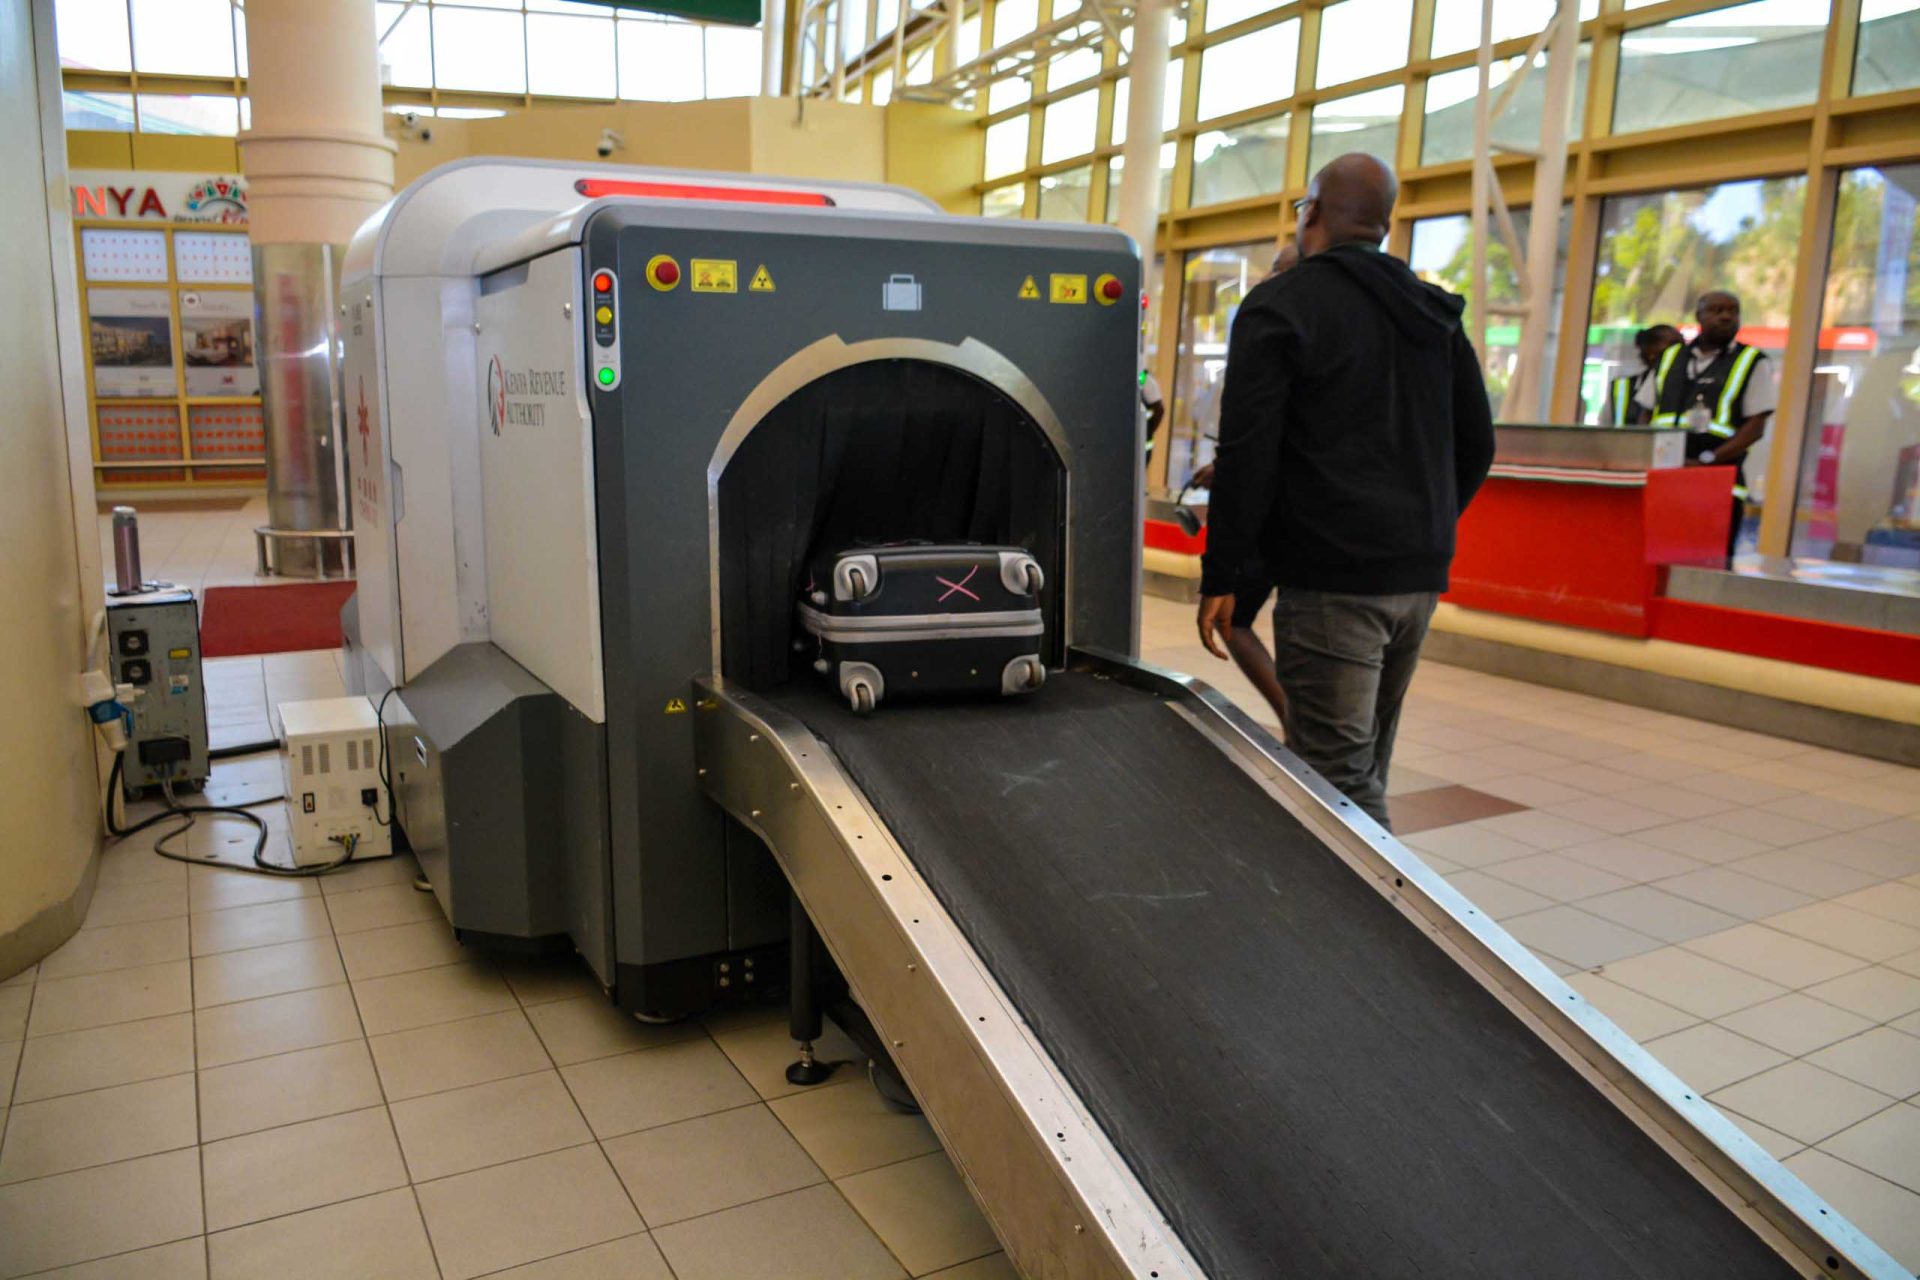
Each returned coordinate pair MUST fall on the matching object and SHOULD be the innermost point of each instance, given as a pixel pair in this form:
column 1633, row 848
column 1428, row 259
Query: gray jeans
column 1345, row 662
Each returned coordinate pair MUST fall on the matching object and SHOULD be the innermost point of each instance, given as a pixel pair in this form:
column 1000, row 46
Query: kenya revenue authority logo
column 496, row 393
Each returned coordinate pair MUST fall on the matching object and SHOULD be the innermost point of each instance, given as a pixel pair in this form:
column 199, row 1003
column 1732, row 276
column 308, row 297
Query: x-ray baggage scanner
column 1175, row 1007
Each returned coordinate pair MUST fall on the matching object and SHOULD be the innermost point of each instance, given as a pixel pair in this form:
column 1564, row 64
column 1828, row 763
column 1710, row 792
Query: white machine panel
column 536, row 477
column 371, row 483
column 332, row 772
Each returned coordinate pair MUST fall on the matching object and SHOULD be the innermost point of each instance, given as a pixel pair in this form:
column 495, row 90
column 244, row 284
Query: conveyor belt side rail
column 1055, row 1189
column 1782, row 1209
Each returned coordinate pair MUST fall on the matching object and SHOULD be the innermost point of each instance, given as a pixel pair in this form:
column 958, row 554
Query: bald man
column 1355, row 429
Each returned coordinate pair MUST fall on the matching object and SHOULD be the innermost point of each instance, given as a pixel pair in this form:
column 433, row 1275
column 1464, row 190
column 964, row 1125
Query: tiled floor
column 1745, row 906
column 232, row 1076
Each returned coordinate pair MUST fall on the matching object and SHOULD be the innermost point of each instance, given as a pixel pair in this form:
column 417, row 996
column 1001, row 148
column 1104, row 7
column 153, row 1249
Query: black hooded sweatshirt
column 1354, row 430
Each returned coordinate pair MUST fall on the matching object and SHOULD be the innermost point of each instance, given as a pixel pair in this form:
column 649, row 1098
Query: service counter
column 1576, row 524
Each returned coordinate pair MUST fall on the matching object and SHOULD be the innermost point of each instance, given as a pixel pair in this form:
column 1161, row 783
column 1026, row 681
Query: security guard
column 1715, row 387
column 1651, row 343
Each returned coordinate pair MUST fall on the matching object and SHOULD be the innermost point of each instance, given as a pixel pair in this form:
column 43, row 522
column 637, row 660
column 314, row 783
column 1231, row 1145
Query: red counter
column 1585, row 548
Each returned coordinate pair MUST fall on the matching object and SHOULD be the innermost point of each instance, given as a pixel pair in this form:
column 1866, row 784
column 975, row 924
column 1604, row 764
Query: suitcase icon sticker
column 900, row 293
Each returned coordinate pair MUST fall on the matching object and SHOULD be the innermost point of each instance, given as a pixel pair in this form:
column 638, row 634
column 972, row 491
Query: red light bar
column 594, row 188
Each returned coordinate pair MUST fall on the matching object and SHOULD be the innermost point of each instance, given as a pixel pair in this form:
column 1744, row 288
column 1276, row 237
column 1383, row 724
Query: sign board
column 735, row 13
column 158, row 195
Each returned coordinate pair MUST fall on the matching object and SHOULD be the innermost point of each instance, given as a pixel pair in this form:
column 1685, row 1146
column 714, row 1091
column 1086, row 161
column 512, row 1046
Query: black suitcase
column 934, row 618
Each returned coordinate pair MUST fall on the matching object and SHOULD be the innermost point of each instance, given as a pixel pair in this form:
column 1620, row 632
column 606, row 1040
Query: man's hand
column 1203, row 478
column 1216, row 623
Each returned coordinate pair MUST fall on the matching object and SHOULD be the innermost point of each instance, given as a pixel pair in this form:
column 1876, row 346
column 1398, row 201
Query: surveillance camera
column 409, row 118
column 426, row 135
column 604, row 150
column 610, row 142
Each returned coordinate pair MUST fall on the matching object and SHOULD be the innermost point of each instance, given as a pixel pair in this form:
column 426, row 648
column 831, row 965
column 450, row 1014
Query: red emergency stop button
column 1108, row 290
column 663, row 273
column 603, row 282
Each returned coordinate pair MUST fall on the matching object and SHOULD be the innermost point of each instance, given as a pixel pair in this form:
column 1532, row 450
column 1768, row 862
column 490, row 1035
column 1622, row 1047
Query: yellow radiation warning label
column 1029, row 289
column 1060, row 288
column 676, row 706
column 761, row 282
column 715, row 275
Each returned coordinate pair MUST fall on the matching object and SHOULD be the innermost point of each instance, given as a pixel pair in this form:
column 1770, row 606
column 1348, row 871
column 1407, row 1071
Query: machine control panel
column 604, row 288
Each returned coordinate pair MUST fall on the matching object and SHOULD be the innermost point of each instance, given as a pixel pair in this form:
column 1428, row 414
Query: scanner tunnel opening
column 883, row 451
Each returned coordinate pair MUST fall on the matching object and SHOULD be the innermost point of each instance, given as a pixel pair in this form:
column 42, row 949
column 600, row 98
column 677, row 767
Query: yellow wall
column 937, row 151
column 49, row 831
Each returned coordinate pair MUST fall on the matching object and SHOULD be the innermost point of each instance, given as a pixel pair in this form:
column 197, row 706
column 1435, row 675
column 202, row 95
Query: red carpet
column 236, row 621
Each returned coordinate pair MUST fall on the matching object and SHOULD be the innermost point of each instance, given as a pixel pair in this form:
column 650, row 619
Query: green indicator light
column 606, row 377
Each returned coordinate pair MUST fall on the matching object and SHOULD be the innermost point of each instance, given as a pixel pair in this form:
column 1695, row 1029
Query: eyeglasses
column 1299, row 206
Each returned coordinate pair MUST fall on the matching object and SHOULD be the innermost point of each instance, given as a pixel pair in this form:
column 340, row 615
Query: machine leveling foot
column 809, row 1070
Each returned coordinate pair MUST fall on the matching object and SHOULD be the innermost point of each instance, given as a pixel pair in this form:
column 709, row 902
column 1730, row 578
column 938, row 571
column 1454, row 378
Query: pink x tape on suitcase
column 927, row 618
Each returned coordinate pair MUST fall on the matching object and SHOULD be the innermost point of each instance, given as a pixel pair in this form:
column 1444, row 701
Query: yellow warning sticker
column 1060, row 288
column 715, row 275
column 676, row 706
column 1029, row 289
column 761, row 282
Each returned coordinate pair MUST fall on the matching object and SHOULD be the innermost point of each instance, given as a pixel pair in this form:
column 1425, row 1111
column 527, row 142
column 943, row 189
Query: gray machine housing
column 541, row 821
column 154, row 645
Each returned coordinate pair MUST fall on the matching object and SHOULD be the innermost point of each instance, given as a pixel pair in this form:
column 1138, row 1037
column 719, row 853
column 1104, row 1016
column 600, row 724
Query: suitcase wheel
column 1023, row 675
column 862, row 685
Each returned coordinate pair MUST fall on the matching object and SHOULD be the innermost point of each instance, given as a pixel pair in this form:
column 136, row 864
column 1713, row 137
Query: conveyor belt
column 1301, row 1079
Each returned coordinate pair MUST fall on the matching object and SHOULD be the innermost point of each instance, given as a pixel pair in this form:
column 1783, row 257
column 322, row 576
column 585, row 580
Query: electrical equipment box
column 334, row 793
column 153, row 640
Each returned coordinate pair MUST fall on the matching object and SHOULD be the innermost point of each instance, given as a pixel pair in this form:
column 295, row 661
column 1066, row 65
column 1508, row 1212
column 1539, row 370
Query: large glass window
column 406, row 55
column 1659, row 252
column 1071, row 68
column 1251, row 70
column 189, row 113
column 659, row 61
column 474, row 49
column 1011, row 18
column 1004, row 202
column 1224, row 13
column 1730, row 62
column 1214, row 282
column 733, row 61
column 1169, row 108
column 1443, row 255
column 1247, row 160
column 1068, row 127
column 1456, row 23
column 1887, row 56
column 1447, row 134
column 1859, row 492
column 183, row 37
column 1368, row 122
column 1002, row 94
column 1118, row 165
column 571, row 57
column 1360, row 38
column 1006, row 147
column 1063, row 196
column 92, row 35
column 108, row 112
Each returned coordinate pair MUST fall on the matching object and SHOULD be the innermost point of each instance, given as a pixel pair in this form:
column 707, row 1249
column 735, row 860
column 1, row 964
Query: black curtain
column 879, row 452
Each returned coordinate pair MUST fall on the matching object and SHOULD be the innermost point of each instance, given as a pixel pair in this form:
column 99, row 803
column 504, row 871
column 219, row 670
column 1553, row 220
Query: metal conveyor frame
column 1002, row 1107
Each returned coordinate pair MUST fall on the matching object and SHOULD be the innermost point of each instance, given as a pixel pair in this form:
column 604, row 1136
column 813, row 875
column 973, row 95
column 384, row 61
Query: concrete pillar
column 1146, row 102
column 317, row 162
